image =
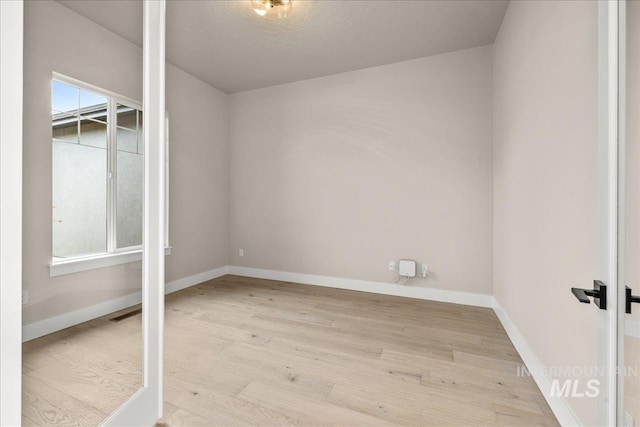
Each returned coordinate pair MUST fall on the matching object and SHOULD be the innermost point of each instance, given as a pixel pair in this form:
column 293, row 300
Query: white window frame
column 113, row 255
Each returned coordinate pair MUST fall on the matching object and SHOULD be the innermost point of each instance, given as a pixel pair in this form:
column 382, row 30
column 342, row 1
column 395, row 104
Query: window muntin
column 129, row 173
column 98, row 170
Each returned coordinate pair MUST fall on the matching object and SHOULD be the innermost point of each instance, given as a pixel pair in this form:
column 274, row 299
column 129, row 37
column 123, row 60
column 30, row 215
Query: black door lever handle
column 598, row 293
column 629, row 299
column 581, row 294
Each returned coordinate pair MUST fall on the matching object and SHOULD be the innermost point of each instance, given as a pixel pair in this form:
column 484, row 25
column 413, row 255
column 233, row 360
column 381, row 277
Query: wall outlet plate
column 425, row 270
column 25, row 297
column 392, row 266
column 241, row 252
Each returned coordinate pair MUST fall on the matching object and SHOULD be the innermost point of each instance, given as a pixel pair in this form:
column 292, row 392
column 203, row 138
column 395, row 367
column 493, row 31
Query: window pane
column 91, row 102
column 140, row 133
column 127, row 140
column 93, row 119
column 65, row 128
column 64, row 98
column 127, row 117
column 93, row 134
column 130, row 193
column 64, row 112
column 130, row 172
column 79, row 200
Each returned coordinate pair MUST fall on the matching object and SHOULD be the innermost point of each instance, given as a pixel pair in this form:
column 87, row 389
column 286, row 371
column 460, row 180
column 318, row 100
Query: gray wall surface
column 348, row 172
column 545, row 185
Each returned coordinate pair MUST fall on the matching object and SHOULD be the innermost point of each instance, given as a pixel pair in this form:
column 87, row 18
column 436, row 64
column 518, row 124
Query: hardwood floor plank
column 403, row 371
column 219, row 407
column 84, row 385
column 182, row 418
column 318, row 412
column 121, row 370
column 421, row 410
column 513, row 417
column 46, row 406
column 295, row 381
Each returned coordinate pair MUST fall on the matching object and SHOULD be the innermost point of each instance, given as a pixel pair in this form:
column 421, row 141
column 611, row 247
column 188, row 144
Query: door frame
column 11, row 64
column 621, row 126
column 608, row 154
column 145, row 406
column 608, row 179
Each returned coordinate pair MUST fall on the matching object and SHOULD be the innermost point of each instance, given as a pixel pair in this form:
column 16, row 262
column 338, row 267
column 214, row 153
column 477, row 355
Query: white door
column 144, row 408
column 591, row 390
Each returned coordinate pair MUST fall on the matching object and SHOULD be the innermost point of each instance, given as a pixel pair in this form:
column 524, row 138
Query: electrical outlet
column 425, row 270
column 392, row 266
column 241, row 252
column 628, row 419
column 25, row 297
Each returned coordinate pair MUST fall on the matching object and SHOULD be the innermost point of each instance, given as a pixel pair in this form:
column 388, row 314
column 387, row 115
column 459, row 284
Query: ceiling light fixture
column 272, row 8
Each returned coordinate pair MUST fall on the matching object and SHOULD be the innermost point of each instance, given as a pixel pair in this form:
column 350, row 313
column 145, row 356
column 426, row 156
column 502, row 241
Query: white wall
column 57, row 39
column 545, row 168
column 338, row 175
column 199, row 175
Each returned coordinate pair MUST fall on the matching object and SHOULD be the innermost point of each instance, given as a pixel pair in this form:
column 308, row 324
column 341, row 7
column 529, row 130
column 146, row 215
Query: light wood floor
column 242, row 352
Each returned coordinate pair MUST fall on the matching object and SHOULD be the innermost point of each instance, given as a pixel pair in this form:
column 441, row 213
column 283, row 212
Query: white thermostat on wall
column 407, row 268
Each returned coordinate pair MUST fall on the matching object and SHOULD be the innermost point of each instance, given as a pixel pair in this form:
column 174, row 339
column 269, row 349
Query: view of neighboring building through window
column 98, row 171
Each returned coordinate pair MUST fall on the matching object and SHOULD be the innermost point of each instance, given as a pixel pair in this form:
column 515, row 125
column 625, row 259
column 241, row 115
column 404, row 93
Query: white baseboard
column 53, row 324
column 66, row 320
column 560, row 409
column 478, row 300
column 187, row 282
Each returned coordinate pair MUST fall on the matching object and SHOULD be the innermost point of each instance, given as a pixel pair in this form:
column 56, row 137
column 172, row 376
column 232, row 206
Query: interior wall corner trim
column 455, row 297
column 558, row 405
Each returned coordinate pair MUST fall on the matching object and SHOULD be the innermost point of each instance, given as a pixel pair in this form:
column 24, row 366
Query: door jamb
column 11, row 84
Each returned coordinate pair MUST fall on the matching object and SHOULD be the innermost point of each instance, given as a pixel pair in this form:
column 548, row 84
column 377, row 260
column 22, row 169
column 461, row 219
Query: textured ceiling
column 227, row 45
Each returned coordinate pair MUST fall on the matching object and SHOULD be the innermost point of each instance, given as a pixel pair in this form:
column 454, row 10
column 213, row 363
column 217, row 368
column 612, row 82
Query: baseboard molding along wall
column 560, row 409
column 66, row 320
column 478, row 300
column 53, row 324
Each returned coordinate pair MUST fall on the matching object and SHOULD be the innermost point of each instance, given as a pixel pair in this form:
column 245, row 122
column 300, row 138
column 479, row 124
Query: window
column 98, row 172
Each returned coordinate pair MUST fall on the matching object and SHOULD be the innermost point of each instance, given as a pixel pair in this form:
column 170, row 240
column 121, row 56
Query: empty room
column 319, row 212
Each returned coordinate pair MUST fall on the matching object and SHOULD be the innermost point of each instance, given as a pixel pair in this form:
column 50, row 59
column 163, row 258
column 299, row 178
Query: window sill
column 100, row 261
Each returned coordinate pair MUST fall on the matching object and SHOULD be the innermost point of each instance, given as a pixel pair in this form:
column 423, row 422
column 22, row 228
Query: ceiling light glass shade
column 272, row 8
